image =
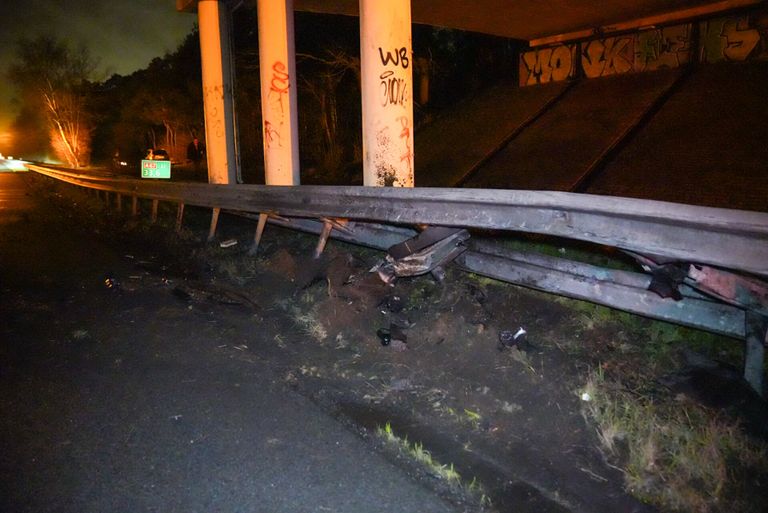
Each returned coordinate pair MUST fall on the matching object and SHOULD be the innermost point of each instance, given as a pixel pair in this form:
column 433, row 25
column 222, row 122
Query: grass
column 446, row 472
column 676, row 456
column 310, row 324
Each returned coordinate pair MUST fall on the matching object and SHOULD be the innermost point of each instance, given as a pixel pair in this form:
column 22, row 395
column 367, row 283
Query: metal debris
column 425, row 253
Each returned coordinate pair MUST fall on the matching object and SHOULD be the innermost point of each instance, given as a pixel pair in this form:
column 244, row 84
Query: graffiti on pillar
column 277, row 96
column 609, row 56
column 405, row 138
column 213, row 96
column 546, row 65
column 394, row 89
column 279, row 85
column 732, row 38
column 271, row 135
column 667, row 47
column 392, row 156
column 400, row 57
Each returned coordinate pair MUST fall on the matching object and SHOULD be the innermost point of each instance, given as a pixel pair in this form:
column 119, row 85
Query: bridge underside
column 530, row 20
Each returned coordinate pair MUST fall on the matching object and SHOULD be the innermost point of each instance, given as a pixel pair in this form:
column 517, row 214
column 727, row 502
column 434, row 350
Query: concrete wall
column 728, row 38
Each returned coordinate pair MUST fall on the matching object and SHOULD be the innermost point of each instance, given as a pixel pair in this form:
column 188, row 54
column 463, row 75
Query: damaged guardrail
column 684, row 248
column 731, row 239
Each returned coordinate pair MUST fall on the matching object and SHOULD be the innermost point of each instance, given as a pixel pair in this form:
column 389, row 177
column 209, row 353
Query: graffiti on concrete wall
column 728, row 38
column 667, row 47
column 545, row 65
column 731, row 38
column 609, row 56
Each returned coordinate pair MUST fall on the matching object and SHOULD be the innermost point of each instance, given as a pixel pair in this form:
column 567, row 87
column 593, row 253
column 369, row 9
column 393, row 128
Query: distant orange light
column 6, row 140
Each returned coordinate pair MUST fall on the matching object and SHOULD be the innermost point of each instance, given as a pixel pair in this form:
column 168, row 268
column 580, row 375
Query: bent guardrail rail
column 731, row 239
column 659, row 235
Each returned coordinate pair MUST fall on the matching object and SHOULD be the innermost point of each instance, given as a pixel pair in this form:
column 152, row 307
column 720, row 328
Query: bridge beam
column 386, row 65
column 216, row 60
column 279, row 111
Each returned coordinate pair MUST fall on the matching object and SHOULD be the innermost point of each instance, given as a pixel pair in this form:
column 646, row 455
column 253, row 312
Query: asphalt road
column 113, row 402
column 7, row 165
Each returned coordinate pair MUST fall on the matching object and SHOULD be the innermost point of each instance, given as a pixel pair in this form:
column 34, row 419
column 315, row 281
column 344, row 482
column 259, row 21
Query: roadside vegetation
column 446, row 472
column 675, row 452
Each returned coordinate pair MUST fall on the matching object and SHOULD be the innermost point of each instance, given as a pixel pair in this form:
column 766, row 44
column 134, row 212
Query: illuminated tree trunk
column 69, row 138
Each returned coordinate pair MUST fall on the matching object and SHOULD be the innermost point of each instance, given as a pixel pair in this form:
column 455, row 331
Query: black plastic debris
column 384, row 336
column 666, row 280
column 509, row 338
column 395, row 304
column 393, row 336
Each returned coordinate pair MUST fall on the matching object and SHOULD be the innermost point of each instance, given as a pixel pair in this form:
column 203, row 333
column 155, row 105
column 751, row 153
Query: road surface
column 115, row 402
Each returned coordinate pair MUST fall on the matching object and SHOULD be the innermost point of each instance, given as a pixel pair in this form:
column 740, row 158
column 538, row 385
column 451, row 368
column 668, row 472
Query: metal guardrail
column 725, row 238
column 663, row 237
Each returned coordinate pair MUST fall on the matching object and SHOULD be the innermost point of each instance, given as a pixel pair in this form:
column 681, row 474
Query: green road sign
column 155, row 168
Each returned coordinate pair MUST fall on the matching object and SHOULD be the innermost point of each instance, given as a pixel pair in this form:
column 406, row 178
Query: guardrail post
column 214, row 223
column 215, row 57
column 154, row 210
column 259, row 232
column 387, row 92
column 179, row 217
column 134, row 205
column 324, row 234
column 754, row 352
column 119, row 202
column 279, row 113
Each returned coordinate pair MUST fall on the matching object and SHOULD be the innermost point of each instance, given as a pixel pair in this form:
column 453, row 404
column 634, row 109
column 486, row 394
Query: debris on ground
column 508, row 338
column 426, row 253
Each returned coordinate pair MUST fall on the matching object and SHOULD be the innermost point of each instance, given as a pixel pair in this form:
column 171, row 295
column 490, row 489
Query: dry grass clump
column 677, row 456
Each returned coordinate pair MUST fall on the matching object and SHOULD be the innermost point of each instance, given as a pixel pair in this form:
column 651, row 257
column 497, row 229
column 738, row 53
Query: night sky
column 124, row 35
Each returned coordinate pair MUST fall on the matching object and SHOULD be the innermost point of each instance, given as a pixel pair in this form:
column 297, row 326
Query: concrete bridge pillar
column 216, row 59
column 277, row 62
column 386, row 65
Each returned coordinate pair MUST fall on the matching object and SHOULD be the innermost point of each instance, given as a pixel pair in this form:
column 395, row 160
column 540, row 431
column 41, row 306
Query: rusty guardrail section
column 687, row 246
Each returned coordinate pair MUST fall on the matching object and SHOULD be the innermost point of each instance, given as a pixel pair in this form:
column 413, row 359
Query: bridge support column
column 386, row 66
column 216, row 59
column 277, row 62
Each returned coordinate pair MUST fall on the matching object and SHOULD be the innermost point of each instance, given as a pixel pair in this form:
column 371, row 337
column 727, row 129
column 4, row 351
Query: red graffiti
column 280, row 83
column 405, row 134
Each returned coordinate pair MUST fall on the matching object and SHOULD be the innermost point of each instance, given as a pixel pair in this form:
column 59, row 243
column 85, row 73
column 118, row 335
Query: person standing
column 195, row 153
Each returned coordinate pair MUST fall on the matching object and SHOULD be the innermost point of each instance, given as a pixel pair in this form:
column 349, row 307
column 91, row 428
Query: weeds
column 677, row 456
column 447, row 473
column 310, row 324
